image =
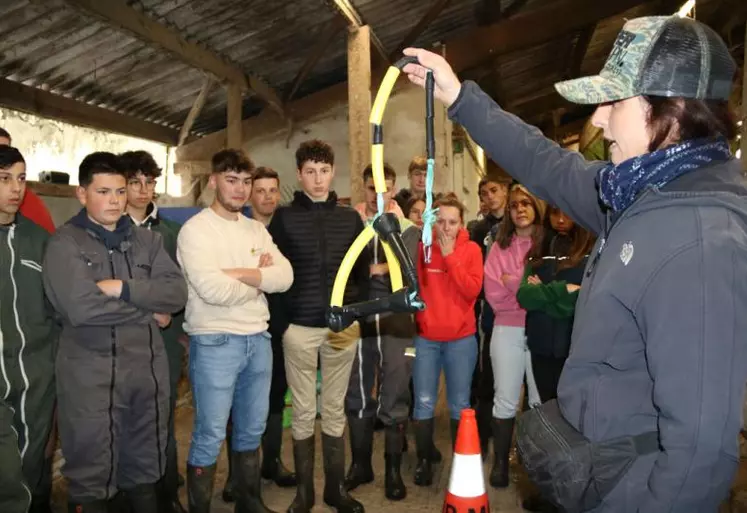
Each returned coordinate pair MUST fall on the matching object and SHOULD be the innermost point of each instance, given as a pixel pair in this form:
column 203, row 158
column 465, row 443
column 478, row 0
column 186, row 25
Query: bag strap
column 646, row 443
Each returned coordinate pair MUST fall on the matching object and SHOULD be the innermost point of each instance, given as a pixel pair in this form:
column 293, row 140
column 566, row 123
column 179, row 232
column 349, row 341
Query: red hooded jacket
column 449, row 286
column 33, row 207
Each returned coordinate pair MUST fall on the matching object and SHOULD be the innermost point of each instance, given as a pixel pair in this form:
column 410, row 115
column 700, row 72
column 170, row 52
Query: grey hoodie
column 659, row 335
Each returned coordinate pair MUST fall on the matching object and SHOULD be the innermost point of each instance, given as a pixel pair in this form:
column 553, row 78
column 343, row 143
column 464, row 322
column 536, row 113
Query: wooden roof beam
column 118, row 14
column 327, row 36
column 419, row 28
column 345, row 8
column 579, row 51
column 194, row 112
column 524, row 30
column 42, row 103
column 529, row 28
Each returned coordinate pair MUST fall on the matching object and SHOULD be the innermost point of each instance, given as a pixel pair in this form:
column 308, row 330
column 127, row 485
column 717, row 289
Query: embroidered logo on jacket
column 626, row 254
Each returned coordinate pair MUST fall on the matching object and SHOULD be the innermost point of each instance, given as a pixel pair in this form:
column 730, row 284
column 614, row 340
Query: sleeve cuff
column 454, row 109
column 125, row 294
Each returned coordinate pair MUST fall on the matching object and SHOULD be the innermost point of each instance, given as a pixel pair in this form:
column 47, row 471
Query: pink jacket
column 502, row 296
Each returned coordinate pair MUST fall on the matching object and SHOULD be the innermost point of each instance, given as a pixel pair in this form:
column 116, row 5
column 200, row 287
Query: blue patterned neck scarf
column 619, row 185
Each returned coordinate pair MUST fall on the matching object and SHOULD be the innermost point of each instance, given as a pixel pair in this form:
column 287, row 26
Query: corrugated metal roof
column 52, row 46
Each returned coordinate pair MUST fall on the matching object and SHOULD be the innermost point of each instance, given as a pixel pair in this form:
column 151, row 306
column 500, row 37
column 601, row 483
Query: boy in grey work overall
column 114, row 286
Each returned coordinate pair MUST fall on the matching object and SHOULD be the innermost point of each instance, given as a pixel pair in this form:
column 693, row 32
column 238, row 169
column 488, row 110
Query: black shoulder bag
column 569, row 469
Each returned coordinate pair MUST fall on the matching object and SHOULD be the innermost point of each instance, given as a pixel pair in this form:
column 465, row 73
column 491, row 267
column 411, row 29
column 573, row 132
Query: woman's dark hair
column 411, row 203
column 507, row 229
column 451, row 200
column 581, row 242
column 696, row 119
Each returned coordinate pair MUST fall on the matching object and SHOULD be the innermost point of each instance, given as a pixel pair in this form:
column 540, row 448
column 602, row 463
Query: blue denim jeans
column 229, row 374
column 457, row 358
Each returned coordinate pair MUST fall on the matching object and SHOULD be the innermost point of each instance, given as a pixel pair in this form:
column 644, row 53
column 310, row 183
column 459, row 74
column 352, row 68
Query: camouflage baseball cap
column 659, row 56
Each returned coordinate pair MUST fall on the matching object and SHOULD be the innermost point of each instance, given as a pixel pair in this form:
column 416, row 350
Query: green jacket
column 28, row 333
column 552, row 298
column 169, row 231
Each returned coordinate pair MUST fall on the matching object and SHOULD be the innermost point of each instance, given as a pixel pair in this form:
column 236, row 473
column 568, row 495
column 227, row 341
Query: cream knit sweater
column 217, row 303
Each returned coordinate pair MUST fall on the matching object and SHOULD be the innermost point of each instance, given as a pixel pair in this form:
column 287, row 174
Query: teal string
column 429, row 216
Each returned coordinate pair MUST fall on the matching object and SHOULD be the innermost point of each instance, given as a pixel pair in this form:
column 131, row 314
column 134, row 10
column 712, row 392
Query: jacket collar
column 302, row 200
column 117, row 239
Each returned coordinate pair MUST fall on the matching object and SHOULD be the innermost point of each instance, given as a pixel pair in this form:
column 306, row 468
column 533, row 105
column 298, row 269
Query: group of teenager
column 649, row 339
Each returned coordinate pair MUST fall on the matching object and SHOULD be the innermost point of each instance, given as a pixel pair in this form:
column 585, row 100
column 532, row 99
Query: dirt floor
column 419, row 499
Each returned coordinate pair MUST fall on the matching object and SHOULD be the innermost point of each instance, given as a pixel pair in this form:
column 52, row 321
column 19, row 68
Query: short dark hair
column 696, row 119
column 418, row 163
column 266, row 172
column 389, row 173
column 485, row 180
column 100, row 162
column 134, row 162
column 314, row 150
column 9, row 156
column 5, row 133
column 232, row 160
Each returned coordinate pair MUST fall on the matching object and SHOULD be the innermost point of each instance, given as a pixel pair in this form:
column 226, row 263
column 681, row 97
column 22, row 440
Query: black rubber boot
column 361, row 432
column 454, row 428
column 246, row 484
column 537, row 504
column 118, row 504
column 303, row 459
column 143, row 498
column 484, row 417
column 200, row 487
column 424, row 447
column 168, row 486
column 40, row 504
column 394, row 487
column 272, row 465
column 503, row 432
column 87, row 507
column 227, row 494
column 335, row 494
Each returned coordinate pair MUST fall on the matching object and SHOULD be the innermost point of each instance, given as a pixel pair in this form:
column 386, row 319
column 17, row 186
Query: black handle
column 340, row 317
column 387, row 227
column 404, row 61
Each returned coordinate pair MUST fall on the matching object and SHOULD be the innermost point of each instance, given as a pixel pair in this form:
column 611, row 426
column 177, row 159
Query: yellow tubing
column 343, row 273
column 395, row 271
column 377, row 165
column 377, row 112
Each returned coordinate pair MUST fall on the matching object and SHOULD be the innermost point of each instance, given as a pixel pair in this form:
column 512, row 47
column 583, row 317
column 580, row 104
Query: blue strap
column 429, row 215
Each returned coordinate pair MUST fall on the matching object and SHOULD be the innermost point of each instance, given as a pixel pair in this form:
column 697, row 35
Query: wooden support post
column 233, row 111
column 359, row 107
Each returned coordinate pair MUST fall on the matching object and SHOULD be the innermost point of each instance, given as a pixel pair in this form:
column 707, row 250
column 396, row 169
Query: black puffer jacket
column 315, row 236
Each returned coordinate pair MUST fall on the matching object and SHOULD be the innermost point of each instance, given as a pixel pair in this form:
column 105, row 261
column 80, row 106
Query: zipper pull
column 596, row 257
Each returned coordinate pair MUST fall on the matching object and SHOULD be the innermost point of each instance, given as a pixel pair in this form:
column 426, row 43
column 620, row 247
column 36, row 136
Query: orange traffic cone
column 466, row 493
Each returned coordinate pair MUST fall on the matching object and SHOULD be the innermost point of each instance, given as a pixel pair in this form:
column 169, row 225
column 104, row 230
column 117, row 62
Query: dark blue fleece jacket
column 660, row 335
